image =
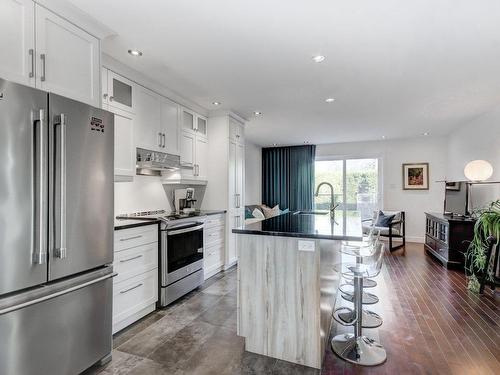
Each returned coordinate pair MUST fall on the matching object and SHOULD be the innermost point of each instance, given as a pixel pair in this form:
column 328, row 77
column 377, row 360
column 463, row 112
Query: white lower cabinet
column 214, row 244
column 135, row 288
column 235, row 219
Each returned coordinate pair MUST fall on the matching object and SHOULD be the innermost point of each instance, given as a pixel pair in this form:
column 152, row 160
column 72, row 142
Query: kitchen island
column 286, row 283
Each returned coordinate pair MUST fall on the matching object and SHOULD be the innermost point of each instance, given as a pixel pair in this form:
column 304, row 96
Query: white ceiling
column 396, row 68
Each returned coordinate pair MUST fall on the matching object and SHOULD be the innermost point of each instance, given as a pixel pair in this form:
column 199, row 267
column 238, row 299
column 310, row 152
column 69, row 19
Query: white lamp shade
column 478, row 170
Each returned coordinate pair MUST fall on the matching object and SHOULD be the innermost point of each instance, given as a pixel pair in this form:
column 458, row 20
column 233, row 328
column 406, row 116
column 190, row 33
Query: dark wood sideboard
column 447, row 238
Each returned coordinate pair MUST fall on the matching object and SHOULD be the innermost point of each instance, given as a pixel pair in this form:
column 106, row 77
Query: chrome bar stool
column 361, row 249
column 357, row 348
column 358, row 249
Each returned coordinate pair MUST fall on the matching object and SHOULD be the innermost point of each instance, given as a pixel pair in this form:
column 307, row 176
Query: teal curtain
column 288, row 177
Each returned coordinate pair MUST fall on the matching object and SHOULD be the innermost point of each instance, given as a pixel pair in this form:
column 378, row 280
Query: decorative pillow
column 285, row 211
column 270, row 212
column 384, row 220
column 256, row 213
column 248, row 213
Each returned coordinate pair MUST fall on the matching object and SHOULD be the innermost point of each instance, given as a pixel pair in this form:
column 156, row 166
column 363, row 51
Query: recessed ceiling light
column 383, row 137
column 257, row 113
column 216, row 103
column 275, row 144
column 318, row 58
column 329, row 100
column 426, row 133
column 134, row 52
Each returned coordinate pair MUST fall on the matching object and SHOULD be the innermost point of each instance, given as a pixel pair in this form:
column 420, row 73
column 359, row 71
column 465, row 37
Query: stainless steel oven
column 181, row 258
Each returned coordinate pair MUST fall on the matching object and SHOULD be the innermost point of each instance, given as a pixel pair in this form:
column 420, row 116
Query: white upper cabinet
column 170, row 125
column 187, row 145
column 17, row 41
column 201, row 158
column 147, row 132
column 67, row 58
column 188, row 120
column 236, row 131
column 240, row 176
column 232, row 194
column 124, row 145
column 193, row 123
column 201, row 126
column 43, row 50
column 119, row 92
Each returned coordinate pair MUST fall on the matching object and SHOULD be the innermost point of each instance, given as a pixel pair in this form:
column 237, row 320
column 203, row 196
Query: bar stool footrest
column 368, row 298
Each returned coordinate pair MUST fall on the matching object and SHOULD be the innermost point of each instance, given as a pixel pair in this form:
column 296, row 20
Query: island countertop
column 309, row 225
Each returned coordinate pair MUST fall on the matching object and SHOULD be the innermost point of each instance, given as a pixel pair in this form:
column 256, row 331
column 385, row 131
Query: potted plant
column 487, row 224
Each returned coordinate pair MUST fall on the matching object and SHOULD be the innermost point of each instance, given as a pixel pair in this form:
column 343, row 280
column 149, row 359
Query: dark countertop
column 132, row 223
column 308, row 226
column 212, row 212
column 444, row 217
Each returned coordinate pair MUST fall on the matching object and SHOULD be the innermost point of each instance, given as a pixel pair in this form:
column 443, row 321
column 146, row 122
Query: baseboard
column 117, row 327
column 231, row 263
column 209, row 272
column 416, row 239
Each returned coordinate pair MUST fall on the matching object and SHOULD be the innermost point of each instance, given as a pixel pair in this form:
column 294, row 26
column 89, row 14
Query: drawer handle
column 129, row 259
column 130, row 238
column 129, row 289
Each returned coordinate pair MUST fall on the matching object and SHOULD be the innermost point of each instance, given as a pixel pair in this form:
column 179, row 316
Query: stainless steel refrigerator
column 56, row 232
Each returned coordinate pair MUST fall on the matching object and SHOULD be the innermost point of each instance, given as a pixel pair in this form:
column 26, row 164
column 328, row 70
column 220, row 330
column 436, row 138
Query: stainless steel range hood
column 153, row 163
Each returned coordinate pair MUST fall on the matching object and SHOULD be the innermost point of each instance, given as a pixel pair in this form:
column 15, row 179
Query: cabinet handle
column 111, row 98
column 130, row 238
column 129, row 259
column 105, row 96
column 159, row 139
column 164, row 141
column 129, row 289
column 42, row 57
column 32, row 55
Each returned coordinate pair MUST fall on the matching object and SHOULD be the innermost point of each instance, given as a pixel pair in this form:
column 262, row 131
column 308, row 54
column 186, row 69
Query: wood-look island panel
column 286, row 296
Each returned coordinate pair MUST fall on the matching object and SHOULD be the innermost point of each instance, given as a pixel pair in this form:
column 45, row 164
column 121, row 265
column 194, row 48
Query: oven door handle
column 184, row 230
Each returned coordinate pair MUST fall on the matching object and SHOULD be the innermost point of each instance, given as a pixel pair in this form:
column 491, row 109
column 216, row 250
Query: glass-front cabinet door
column 201, row 125
column 188, row 120
column 120, row 92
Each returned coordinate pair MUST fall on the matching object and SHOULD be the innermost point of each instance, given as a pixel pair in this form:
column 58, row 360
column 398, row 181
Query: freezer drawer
column 64, row 334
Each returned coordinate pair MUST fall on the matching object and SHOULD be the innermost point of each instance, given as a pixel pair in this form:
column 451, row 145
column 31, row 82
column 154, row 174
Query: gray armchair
column 396, row 228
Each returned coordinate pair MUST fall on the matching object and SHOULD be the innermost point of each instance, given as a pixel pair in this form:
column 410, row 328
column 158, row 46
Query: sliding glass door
column 355, row 185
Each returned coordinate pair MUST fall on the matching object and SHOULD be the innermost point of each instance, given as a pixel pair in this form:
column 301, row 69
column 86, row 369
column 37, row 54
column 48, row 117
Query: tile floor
column 432, row 325
column 195, row 335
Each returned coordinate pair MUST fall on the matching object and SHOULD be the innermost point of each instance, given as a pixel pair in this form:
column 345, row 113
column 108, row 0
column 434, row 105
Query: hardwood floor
column 432, row 325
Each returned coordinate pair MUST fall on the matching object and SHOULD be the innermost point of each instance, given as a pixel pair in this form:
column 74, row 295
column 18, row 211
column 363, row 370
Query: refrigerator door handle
column 39, row 254
column 54, row 295
column 61, row 251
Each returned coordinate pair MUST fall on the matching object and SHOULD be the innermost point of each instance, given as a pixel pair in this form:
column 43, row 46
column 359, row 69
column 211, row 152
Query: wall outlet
column 306, row 245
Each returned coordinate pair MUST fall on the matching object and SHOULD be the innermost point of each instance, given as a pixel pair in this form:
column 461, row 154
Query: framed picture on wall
column 416, row 176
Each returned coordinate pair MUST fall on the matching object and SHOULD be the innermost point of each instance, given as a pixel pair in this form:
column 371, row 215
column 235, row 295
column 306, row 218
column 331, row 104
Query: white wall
column 145, row 193
column 253, row 174
column 393, row 153
column 478, row 139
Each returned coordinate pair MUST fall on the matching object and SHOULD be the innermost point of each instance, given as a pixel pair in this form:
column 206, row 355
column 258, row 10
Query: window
column 355, row 185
